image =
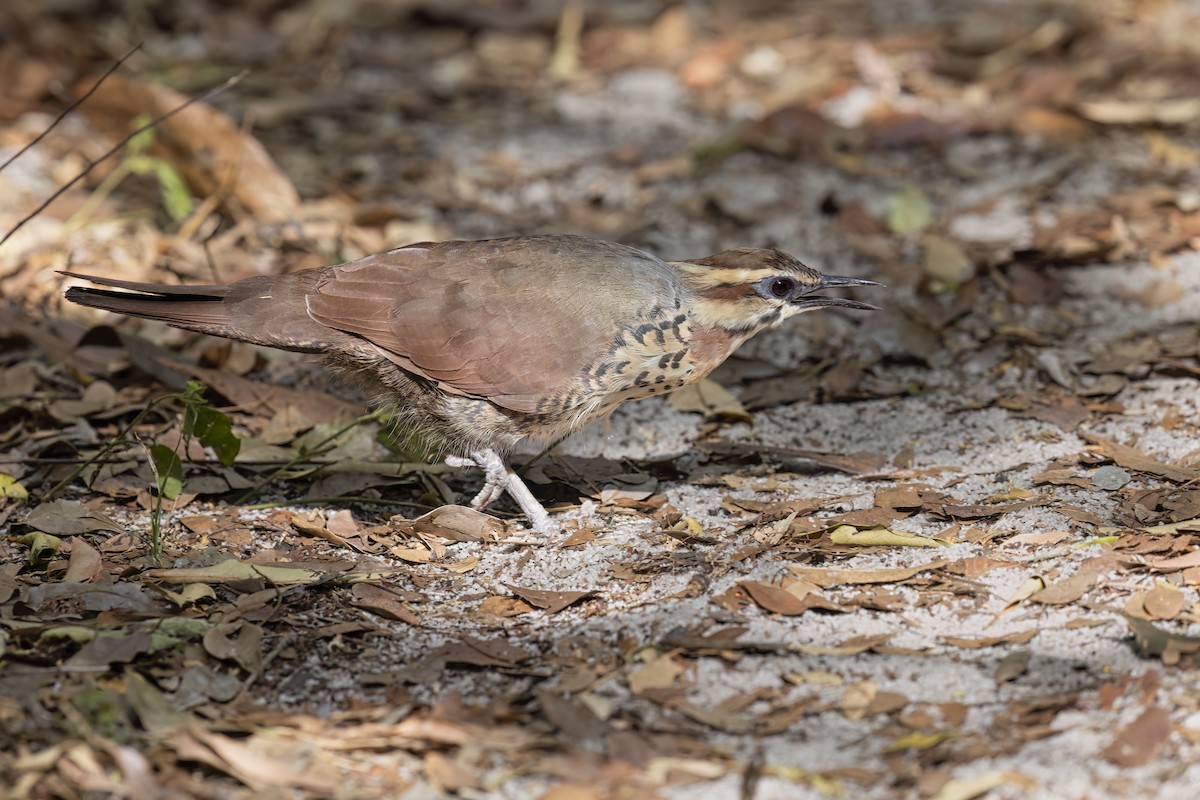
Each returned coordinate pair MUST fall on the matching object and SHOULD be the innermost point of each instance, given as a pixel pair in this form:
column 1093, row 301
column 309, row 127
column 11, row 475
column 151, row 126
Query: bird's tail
column 266, row 310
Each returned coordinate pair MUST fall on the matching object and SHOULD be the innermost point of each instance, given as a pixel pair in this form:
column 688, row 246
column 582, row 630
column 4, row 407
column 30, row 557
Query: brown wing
column 511, row 320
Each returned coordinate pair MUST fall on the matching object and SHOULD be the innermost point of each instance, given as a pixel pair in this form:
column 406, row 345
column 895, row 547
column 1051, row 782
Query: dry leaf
column 1045, row 537
column 778, row 600
column 709, row 398
column 825, row 577
column 1133, row 459
column 1185, row 561
column 1012, row 666
column 383, row 602
column 551, row 602
column 1139, row 742
column 1164, row 602
column 975, row 643
column 659, row 673
column 979, row 785
column 500, row 606
column 881, row 537
column 85, row 564
column 214, row 153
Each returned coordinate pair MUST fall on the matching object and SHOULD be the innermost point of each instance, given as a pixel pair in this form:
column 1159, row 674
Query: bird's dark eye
column 782, row 287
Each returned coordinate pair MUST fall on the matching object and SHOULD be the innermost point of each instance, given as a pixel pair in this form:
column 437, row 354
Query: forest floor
column 945, row 550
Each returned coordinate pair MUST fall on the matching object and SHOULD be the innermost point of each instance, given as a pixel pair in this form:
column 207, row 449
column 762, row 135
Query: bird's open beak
column 831, row 281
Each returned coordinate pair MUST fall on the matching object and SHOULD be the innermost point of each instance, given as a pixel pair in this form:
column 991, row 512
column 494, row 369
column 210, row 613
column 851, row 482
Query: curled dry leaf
column 1154, row 641
column 881, row 537
column 459, row 523
column 85, row 564
column 979, row 785
column 213, row 153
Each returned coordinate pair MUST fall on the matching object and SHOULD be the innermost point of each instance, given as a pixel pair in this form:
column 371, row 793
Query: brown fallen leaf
column 659, row 673
column 858, row 698
column 232, row 571
column 578, row 539
column 501, row 606
column 1164, row 602
column 1168, row 111
column 383, row 602
column 239, row 641
column 85, row 564
column 1133, row 459
column 1173, row 528
column 974, row 643
column 711, row 399
column 850, row 647
column 316, row 527
column 852, row 463
column 69, row 517
column 778, row 600
column 1070, row 589
column 550, row 602
column 1185, row 561
column 458, row 524
column 248, row 760
column 576, row 721
column 214, row 154
column 985, row 510
column 1139, row 742
column 1040, row 538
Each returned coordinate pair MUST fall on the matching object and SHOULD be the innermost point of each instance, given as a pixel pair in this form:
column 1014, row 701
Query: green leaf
column 214, row 430
column 176, row 199
column 139, row 142
column 168, row 471
column 212, row 427
column 908, row 211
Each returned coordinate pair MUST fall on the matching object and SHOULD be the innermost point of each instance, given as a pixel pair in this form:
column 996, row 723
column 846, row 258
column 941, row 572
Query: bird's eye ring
column 781, row 287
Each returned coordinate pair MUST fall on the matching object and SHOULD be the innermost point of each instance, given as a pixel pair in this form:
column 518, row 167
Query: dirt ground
column 945, row 550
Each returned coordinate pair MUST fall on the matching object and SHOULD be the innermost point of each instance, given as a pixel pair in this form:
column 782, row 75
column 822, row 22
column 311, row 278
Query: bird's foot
column 498, row 479
column 495, row 475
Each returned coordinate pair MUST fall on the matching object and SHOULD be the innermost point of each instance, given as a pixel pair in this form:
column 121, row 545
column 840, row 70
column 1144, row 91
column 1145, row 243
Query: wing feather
column 510, row 320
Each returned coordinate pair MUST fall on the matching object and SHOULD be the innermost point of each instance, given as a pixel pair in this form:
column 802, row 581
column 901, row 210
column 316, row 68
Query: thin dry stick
column 208, row 95
column 116, row 66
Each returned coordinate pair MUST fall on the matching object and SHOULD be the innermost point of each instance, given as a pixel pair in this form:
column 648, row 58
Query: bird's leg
column 498, row 479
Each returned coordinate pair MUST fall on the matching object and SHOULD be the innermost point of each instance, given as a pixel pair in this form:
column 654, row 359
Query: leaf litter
column 718, row 592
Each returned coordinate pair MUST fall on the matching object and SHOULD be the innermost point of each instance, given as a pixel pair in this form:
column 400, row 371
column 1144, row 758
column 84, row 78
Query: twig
column 207, row 95
column 316, row 449
column 116, row 66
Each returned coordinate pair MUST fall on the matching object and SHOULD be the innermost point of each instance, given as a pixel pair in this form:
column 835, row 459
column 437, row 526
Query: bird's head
column 745, row 290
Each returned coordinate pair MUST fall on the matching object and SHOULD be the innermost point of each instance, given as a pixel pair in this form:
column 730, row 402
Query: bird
column 478, row 345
